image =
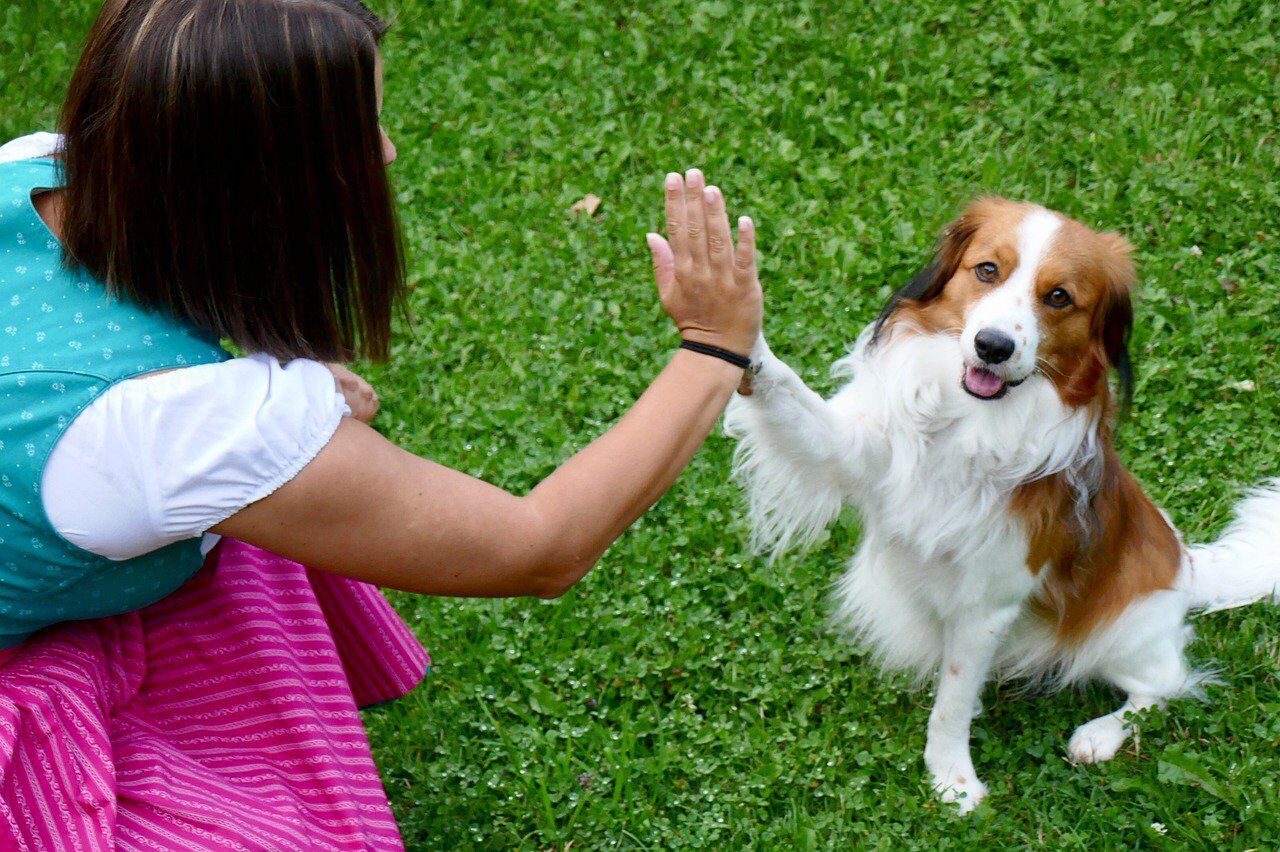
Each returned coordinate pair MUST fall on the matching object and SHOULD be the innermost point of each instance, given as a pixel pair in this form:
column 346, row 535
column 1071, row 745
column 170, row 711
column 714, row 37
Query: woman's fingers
column 676, row 213
column 744, row 259
column 664, row 263
column 696, row 229
column 360, row 396
column 719, row 240
column 708, row 287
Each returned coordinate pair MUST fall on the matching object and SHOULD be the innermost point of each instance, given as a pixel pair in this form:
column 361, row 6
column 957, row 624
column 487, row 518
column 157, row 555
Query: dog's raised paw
column 966, row 792
column 1098, row 740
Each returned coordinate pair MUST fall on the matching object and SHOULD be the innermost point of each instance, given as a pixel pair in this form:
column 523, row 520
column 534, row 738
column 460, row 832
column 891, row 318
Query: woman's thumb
column 664, row 261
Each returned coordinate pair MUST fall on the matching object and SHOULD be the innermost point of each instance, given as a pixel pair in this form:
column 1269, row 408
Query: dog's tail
column 1243, row 566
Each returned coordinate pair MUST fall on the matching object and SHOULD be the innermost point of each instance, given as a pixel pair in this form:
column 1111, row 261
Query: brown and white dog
column 1001, row 532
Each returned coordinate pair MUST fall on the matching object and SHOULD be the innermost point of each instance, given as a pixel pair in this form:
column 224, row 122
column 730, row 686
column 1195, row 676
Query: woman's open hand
column 708, row 287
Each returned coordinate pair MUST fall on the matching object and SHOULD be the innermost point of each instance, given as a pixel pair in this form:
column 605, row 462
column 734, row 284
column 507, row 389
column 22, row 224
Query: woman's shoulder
column 23, row 168
column 251, row 409
column 246, row 382
column 187, row 449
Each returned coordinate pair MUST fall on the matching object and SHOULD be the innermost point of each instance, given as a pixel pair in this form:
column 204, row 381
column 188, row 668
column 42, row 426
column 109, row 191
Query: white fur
column 1010, row 307
column 1244, row 565
column 939, row 585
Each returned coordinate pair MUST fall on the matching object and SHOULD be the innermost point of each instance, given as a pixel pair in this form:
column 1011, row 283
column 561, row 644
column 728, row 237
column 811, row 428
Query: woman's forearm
column 367, row 509
column 590, row 500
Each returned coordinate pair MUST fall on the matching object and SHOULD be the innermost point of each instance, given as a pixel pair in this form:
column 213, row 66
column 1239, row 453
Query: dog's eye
column 987, row 272
column 1057, row 298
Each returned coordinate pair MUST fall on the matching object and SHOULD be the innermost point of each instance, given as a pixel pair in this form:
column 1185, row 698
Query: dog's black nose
column 993, row 347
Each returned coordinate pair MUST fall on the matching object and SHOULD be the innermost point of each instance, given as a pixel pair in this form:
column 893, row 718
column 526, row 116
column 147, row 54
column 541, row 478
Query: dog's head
column 1025, row 289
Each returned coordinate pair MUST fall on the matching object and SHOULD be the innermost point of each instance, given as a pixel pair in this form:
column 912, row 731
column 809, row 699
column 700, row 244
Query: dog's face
column 1025, row 290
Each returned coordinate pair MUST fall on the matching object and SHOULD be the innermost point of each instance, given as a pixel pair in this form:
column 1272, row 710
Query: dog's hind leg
column 1148, row 664
column 970, row 647
column 1099, row 739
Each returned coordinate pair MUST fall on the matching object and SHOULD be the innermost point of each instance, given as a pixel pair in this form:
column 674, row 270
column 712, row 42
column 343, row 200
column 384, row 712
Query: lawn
column 688, row 693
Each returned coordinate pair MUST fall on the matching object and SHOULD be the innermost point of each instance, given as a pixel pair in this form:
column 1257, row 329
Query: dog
column 1001, row 534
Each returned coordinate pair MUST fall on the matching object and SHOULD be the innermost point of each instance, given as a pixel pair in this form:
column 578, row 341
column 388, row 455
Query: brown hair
column 223, row 163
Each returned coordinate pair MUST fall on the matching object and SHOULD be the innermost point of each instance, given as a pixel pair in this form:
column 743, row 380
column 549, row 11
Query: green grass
column 688, row 693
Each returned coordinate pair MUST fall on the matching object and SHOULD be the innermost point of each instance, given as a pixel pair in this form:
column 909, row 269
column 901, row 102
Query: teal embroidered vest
column 63, row 342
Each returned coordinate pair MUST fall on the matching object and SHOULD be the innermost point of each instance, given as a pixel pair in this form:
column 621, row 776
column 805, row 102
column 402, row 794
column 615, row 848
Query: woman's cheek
column 388, row 148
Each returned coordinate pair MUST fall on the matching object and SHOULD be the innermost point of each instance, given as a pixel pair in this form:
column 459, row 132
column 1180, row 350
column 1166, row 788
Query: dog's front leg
column 790, row 414
column 792, row 455
column 971, row 644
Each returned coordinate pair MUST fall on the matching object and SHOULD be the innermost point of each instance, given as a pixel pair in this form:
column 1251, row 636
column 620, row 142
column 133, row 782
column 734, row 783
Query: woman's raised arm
column 366, row 509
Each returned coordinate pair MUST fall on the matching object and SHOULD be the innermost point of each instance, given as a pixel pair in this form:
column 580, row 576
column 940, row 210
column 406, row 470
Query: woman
column 223, row 176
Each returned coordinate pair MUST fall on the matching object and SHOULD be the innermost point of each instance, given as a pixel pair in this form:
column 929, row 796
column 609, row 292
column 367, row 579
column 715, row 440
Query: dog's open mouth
column 984, row 384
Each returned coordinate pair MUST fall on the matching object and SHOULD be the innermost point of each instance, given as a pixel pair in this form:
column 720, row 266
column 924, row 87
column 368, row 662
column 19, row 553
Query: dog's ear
column 1114, row 320
column 928, row 283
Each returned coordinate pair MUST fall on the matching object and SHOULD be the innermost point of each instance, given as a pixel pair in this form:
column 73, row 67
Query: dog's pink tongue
column 982, row 382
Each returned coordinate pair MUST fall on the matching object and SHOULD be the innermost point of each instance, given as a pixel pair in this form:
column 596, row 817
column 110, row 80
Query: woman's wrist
column 742, row 362
column 721, row 373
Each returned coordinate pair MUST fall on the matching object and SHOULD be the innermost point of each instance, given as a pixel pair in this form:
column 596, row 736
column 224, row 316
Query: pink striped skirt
column 223, row 717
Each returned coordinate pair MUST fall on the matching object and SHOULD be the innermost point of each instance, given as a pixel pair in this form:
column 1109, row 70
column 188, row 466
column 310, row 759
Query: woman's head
column 225, row 163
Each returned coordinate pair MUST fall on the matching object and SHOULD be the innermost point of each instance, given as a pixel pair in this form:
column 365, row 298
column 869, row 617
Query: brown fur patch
column 1081, row 342
column 987, row 229
column 1131, row 551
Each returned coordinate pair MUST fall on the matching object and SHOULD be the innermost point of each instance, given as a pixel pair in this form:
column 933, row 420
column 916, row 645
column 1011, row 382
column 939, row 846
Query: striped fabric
column 223, row 717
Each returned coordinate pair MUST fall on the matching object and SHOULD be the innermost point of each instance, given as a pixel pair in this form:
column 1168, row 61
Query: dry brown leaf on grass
column 588, row 204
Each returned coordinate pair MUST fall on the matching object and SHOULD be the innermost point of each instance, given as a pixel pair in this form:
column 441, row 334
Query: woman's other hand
column 708, row 287
column 361, row 398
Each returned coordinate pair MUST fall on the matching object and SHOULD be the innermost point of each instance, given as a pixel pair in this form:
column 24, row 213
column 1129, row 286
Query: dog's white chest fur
column 930, row 469
column 934, row 474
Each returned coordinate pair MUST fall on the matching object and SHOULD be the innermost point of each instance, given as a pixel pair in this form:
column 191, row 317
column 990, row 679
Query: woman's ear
column 928, row 283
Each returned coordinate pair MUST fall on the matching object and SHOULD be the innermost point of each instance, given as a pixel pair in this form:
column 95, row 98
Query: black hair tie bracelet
column 739, row 361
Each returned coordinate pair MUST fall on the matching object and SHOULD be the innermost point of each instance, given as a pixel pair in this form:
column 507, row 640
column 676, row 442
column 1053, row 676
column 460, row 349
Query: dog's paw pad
column 1096, row 741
